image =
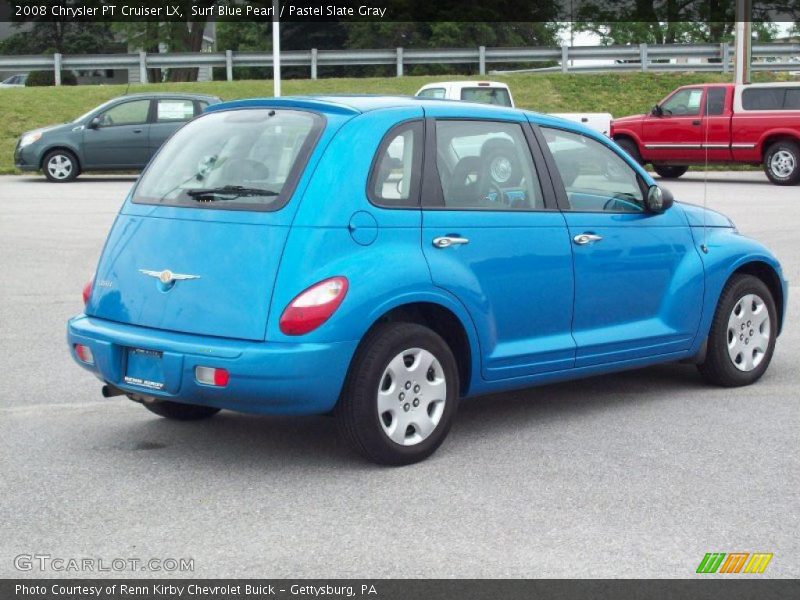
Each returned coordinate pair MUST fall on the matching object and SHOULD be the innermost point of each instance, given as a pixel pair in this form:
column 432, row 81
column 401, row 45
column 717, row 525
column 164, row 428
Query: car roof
column 356, row 104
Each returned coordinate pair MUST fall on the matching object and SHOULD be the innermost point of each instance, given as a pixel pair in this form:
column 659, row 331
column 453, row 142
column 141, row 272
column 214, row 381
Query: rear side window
column 768, row 98
column 395, row 176
column 715, row 101
column 486, row 165
column 486, row 95
column 170, row 111
column 432, row 93
column 247, row 159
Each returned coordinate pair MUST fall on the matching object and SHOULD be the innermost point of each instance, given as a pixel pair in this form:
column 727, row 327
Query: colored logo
column 734, row 562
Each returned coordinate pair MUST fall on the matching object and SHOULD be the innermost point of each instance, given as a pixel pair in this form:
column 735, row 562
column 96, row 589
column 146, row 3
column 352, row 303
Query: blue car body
column 521, row 303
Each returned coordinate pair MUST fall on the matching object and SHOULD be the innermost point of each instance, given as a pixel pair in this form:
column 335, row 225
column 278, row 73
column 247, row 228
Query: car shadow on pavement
column 265, row 443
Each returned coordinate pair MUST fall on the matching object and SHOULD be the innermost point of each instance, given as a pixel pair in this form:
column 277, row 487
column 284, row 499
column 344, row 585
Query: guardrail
column 644, row 57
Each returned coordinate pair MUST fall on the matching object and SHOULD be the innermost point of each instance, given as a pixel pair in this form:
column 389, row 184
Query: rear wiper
column 230, row 192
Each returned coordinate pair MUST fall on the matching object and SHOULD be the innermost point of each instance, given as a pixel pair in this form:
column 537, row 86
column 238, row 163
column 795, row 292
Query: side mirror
column 95, row 122
column 658, row 199
column 656, row 111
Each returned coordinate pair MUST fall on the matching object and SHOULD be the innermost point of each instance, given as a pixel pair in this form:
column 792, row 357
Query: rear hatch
column 198, row 246
column 219, row 280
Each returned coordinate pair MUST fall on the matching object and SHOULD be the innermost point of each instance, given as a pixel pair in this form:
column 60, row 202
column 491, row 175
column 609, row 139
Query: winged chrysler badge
column 167, row 277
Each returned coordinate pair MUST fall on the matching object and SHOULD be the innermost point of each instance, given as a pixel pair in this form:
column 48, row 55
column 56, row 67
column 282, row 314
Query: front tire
column 400, row 396
column 782, row 163
column 60, row 166
column 742, row 337
column 177, row 411
column 670, row 171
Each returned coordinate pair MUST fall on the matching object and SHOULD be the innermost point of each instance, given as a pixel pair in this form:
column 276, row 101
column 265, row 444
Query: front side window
column 170, row 111
column 683, row 103
column 486, row 95
column 595, row 178
column 432, row 93
column 240, row 159
column 394, row 180
column 127, row 113
column 486, row 165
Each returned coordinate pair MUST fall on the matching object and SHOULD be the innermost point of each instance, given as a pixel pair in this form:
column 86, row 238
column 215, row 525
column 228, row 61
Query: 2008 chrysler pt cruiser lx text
column 381, row 258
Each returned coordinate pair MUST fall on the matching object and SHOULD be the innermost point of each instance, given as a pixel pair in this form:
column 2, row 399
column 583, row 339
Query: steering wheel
column 681, row 109
column 500, row 196
column 616, row 199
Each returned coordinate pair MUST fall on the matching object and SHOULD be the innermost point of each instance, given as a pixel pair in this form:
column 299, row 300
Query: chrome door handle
column 446, row 241
column 586, row 238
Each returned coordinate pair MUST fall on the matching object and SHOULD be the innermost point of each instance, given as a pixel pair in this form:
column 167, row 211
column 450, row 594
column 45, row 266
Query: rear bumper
column 266, row 377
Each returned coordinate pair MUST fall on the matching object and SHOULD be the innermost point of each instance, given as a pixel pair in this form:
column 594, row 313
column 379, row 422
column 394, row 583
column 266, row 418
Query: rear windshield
column 486, row 95
column 246, row 159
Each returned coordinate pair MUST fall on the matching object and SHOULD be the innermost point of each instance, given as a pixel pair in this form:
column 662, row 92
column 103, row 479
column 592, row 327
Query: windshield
column 236, row 159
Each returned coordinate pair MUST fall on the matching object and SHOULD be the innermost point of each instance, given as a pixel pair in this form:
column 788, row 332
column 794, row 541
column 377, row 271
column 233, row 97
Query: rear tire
column 742, row 337
column 177, row 411
column 669, row 171
column 60, row 166
column 631, row 148
column 782, row 163
column 400, row 396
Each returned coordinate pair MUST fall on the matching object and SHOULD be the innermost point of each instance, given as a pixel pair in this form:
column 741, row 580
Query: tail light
column 84, row 353
column 87, row 291
column 312, row 307
column 212, row 376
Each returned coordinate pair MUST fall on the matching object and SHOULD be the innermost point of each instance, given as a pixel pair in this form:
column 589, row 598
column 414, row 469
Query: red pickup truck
column 721, row 124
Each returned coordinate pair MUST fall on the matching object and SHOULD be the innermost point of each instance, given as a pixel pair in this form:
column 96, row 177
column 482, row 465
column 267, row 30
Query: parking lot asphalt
column 629, row 475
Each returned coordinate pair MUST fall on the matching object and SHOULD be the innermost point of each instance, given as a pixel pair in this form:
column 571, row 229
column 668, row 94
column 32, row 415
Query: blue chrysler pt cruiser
column 381, row 258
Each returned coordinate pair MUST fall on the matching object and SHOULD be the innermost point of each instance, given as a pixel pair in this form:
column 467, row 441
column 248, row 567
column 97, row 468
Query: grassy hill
column 620, row 94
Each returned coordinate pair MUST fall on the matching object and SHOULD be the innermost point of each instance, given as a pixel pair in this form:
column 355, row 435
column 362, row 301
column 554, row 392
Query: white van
column 494, row 92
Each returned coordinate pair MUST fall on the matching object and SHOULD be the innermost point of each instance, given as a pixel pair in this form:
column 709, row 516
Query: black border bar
column 735, row 587
column 474, row 11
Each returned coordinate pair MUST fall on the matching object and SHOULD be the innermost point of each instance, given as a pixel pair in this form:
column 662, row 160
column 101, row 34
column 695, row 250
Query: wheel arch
column 767, row 274
column 629, row 136
column 69, row 149
column 447, row 324
column 774, row 136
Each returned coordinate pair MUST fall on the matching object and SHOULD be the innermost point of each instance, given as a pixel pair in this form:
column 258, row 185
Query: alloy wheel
column 60, row 166
column 782, row 163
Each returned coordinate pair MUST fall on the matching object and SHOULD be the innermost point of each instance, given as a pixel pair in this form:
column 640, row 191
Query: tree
column 63, row 37
column 675, row 21
column 175, row 36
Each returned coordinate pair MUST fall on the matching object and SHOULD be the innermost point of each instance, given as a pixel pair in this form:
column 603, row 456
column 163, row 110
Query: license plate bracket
column 145, row 368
